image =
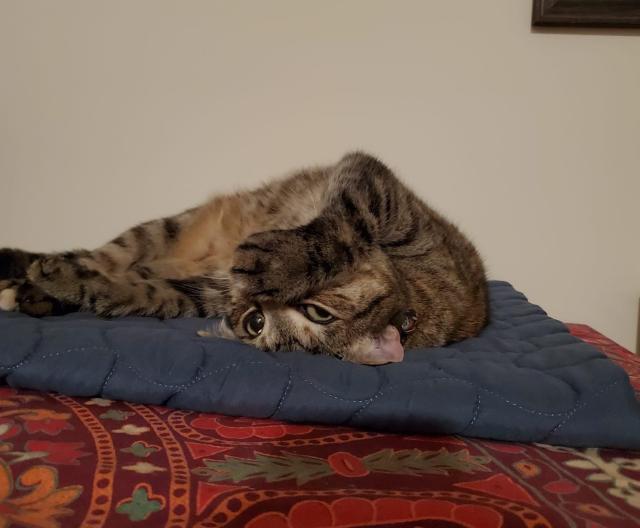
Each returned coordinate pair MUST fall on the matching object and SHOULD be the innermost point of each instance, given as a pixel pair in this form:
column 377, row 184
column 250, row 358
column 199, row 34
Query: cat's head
column 360, row 315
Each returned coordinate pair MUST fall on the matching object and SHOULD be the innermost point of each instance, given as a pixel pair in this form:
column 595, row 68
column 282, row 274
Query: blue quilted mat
column 525, row 378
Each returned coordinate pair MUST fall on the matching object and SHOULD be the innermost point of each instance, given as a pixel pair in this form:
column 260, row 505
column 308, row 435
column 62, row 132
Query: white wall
column 114, row 112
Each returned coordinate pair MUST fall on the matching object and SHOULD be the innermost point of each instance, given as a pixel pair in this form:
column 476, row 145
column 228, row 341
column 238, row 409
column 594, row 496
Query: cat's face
column 354, row 317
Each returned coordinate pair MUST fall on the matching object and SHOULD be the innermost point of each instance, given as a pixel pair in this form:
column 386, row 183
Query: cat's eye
column 253, row 323
column 316, row 314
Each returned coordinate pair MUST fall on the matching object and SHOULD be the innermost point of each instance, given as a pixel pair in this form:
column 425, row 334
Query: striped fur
column 350, row 238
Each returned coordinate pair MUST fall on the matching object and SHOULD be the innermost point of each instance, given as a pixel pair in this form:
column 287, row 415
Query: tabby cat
column 341, row 260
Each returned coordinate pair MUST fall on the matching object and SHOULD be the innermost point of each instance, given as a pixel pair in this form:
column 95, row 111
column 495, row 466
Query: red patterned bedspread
column 74, row 462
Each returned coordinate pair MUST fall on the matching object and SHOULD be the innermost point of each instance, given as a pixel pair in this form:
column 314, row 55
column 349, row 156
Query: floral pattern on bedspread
column 68, row 462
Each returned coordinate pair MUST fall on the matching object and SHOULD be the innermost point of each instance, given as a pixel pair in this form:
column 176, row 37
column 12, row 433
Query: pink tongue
column 387, row 349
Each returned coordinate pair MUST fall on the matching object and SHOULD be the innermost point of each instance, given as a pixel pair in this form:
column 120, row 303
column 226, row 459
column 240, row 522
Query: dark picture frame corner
column 586, row 13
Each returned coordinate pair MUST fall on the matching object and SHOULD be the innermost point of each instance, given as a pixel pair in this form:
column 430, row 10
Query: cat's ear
column 387, row 348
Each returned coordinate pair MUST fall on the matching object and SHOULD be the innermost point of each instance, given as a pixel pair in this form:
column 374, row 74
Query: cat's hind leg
column 70, row 278
column 17, row 293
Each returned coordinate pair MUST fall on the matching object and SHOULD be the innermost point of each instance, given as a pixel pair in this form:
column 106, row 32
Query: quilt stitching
column 583, row 404
column 511, row 326
column 366, row 401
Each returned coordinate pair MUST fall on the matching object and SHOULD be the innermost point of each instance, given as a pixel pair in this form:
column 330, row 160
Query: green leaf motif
column 140, row 449
column 271, row 468
column 302, row 469
column 418, row 462
column 115, row 414
column 139, row 507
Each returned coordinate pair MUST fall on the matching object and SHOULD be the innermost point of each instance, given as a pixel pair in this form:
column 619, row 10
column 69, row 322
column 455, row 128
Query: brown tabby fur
column 350, row 238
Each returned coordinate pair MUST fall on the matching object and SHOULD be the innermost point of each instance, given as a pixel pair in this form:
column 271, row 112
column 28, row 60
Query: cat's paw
column 60, row 276
column 272, row 266
column 20, row 295
column 50, row 269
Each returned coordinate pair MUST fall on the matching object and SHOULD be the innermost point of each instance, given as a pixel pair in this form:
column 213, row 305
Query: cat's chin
column 385, row 348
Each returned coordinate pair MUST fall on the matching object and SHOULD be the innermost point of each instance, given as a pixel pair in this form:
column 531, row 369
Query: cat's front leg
column 284, row 266
column 272, row 266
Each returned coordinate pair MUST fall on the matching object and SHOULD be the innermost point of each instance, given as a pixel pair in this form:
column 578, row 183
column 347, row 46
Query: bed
column 94, row 462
